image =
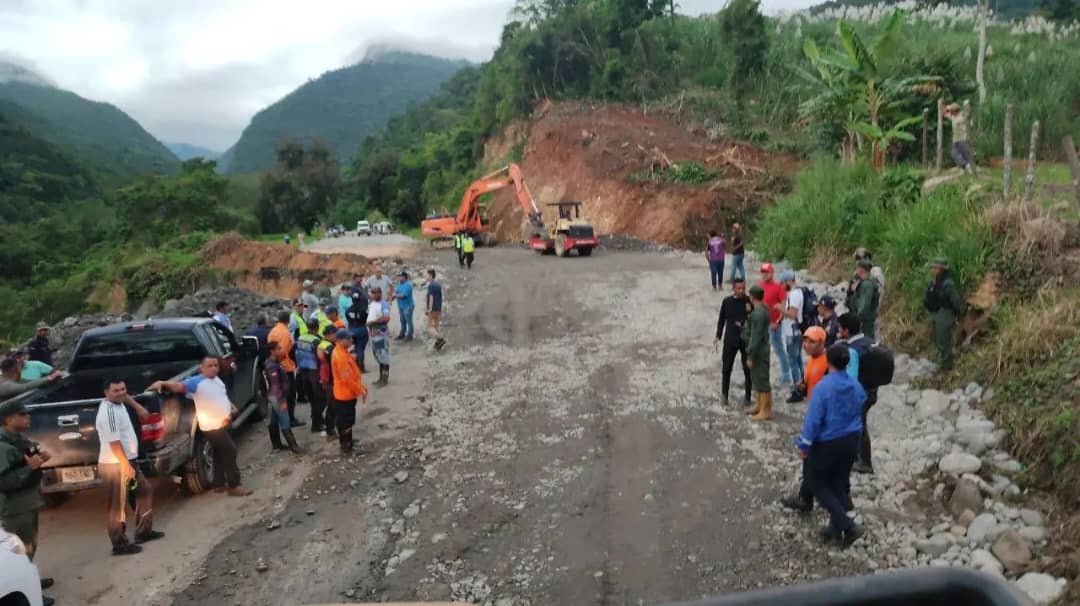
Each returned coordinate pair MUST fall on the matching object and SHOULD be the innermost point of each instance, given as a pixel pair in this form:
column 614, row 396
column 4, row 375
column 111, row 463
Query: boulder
column 959, row 463
column 1012, row 550
column 1032, row 517
column 932, row 404
column 965, row 497
column 1042, row 588
column 934, row 546
column 981, row 527
column 985, row 561
column 1035, row 534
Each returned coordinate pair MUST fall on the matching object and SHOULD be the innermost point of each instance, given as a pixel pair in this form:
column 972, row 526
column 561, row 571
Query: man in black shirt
column 39, row 347
column 356, row 317
column 738, row 250
column 733, row 313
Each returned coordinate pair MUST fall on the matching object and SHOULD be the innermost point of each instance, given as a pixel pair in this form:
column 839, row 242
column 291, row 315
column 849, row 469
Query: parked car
column 363, row 228
column 20, row 582
column 62, row 413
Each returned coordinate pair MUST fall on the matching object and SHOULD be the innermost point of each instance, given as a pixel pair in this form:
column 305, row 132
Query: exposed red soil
column 585, row 153
column 277, row 269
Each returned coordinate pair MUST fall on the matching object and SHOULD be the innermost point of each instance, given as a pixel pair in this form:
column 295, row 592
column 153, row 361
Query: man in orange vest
column 281, row 335
column 348, row 387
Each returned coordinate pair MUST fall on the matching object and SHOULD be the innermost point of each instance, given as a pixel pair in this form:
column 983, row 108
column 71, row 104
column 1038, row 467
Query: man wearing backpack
column 714, row 254
column 864, row 298
column 859, row 346
column 944, row 304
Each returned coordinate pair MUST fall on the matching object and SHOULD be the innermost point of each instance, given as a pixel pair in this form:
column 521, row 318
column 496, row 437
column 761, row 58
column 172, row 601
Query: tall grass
column 840, row 208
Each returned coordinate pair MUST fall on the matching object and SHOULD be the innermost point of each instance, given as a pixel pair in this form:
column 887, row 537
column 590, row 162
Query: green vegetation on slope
column 340, row 107
column 104, row 138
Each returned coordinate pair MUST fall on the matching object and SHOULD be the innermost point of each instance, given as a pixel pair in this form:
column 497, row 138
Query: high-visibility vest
column 324, row 321
column 468, row 245
column 301, row 323
column 457, row 241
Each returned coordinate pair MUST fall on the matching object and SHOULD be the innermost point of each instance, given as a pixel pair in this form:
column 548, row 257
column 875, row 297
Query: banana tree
column 881, row 139
column 849, row 81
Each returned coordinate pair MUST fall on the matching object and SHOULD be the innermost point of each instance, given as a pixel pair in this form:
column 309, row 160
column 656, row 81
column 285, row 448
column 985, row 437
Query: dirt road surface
column 373, row 246
column 568, row 446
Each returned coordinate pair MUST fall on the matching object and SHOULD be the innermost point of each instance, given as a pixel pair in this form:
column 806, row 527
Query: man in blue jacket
column 829, row 443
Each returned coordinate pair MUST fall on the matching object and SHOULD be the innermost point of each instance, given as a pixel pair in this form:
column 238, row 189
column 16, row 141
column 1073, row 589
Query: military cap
column 11, row 407
column 941, row 262
column 757, row 292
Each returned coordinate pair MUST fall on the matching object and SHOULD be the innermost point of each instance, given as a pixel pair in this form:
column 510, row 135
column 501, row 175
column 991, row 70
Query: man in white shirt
column 789, row 327
column 382, row 282
column 213, row 410
column 378, row 323
column 221, row 314
column 119, row 447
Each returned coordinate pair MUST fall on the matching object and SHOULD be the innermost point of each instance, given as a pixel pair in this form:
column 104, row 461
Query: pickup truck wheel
column 199, row 471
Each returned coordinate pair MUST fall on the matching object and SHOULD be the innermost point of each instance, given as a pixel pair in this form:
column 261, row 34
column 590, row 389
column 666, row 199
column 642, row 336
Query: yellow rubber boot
column 757, row 405
column 766, row 408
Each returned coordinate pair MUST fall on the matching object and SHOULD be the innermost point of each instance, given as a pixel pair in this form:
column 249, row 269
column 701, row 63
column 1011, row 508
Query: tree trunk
column 1074, row 164
column 925, row 138
column 1029, row 180
column 940, row 134
column 1007, row 170
column 981, row 61
column 971, row 135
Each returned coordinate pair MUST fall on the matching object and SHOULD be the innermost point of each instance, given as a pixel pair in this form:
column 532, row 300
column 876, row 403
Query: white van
column 363, row 228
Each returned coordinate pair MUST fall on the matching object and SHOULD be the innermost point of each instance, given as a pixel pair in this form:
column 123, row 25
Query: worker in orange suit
column 348, row 388
column 281, row 335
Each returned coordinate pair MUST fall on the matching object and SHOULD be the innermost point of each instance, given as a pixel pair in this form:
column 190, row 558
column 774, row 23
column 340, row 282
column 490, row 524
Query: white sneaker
column 323, row 433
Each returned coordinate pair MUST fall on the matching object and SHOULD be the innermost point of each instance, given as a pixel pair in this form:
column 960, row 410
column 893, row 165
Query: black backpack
column 876, row 367
column 809, row 309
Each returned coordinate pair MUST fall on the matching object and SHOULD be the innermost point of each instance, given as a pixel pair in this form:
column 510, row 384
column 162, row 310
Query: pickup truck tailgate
column 66, row 430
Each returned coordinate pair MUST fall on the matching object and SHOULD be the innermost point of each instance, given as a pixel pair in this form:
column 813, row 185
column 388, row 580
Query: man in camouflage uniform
column 943, row 302
column 756, row 336
column 20, row 478
column 864, row 298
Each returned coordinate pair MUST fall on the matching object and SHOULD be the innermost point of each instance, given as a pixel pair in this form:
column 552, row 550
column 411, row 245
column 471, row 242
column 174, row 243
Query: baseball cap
column 786, row 275
column 11, row 407
column 815, row 333
column 324, row 301
column 827, row 301
column 343, row 334
column 296, row 302
column 41, row 325
column 864, row 263
column 404, row 274
column 331, row 309
column 308, row 283
column 766, row 268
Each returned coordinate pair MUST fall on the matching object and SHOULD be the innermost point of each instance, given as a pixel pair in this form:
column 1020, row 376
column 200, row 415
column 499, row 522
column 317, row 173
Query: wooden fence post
column 925, row 141
column 1029, row 180
column 940, row 133
column 1007, row 172
column 1074, row 164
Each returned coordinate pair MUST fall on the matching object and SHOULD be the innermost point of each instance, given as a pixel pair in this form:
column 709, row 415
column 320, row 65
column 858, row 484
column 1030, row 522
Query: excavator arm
column 468, row 218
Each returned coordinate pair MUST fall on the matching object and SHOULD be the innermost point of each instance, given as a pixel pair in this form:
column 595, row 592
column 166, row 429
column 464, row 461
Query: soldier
column 757, row 349
column 864, row 298
column 20, row 479
column 944, row 304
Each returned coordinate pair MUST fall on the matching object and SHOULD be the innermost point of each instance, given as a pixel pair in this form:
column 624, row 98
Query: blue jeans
column 279, row 419
column 359, row 339
column 780, row 350
column 737, row 267
column 716, row 272
column 795, row 361
column 405, row 314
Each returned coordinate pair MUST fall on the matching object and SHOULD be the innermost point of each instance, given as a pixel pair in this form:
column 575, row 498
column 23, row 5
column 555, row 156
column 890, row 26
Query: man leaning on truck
column 119, row 447
column 214, row 411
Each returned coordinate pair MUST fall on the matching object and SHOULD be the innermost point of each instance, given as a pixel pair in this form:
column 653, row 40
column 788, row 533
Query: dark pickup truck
column 63, row 413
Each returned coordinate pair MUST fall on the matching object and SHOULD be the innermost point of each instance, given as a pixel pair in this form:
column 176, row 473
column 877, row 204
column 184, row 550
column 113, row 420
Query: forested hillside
column 187, row 151
column 340, row 107
column 103, row 137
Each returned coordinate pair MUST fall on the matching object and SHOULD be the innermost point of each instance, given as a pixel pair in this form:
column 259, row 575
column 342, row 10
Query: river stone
column 958, row 463
column 1012, row 550
column 985, row 561
column 1035, row 534
column 965, row 497
column 934, row 546
column 965, row 519
column 1032, row 517
column 1042, row 588
column 980, row 527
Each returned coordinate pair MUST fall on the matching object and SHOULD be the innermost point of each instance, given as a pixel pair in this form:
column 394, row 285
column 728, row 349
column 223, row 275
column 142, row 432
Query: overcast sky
column 195, row 71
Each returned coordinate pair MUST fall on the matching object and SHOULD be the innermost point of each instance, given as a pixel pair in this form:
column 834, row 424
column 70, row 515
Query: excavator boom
column 469, row 220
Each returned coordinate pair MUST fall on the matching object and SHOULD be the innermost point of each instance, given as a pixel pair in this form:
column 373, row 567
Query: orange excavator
column 472, row 216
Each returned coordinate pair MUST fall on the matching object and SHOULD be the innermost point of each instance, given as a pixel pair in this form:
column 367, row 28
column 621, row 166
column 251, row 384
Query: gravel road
column 566, row 447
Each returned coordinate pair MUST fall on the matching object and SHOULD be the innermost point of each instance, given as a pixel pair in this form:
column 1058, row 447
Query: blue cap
column 343, row 334
column 331, row 309
column 786, row 275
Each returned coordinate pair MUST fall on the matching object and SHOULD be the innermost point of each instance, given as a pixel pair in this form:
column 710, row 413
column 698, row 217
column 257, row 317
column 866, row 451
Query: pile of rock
column 624, row 242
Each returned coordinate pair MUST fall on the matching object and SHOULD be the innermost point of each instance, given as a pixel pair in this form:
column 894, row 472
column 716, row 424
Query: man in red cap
column 775, row 296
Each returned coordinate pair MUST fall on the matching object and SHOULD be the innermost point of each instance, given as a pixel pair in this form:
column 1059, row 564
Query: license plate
column 76, row 475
